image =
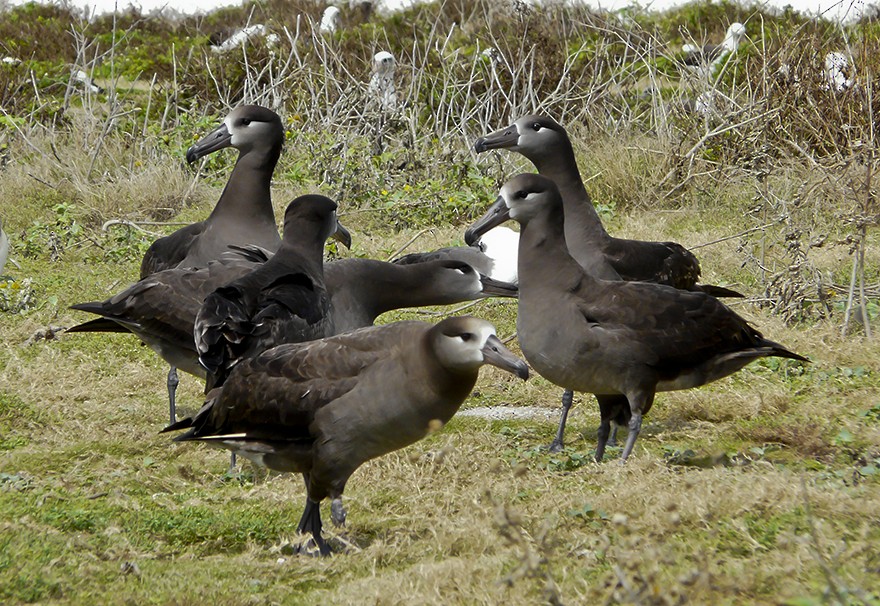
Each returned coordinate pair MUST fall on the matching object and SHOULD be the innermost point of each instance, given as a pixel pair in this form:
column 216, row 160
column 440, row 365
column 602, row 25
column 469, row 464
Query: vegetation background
column 762, row 488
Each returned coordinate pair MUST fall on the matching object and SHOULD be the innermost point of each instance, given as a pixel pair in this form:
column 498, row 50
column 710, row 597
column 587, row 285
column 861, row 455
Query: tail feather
column 781, row 352
column 719, row 291
column 93, row 307
column 198, row 422
column 98, row 325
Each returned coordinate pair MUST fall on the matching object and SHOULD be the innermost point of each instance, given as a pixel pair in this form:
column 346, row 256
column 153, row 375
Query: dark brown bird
column 613, row 338
column 363, row 289
column 284, row 300
column 243, row 215
column 162, row 308
column 325, row 407
column 494, row 255
column 546, row 144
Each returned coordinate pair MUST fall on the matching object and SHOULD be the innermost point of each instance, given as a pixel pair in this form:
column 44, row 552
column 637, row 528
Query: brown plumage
column 546, row 144
column 612, row 338
column 283, row 300
column 243, row 215
column 162, row 308
column 325, row 407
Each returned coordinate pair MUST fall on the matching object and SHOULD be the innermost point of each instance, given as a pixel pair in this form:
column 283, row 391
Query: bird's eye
column 466, row 337
column 245, row 121
column 522, row 194
column 536, row 126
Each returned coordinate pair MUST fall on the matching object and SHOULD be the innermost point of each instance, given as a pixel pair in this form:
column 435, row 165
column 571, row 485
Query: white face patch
column 464, row 350
column 235, row 138
column 515, row 204
column 483, row 334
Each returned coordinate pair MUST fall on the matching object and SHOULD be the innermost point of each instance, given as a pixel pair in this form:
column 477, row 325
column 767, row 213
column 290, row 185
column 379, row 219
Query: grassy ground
column 762, row 488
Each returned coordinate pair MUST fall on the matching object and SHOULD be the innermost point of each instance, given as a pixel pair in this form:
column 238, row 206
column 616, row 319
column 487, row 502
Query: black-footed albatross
column 243, row 215
column 161, row 309
column 284, row 300
column 546, row 144
column 613, row 338
column 363, row 289
column 325, row 407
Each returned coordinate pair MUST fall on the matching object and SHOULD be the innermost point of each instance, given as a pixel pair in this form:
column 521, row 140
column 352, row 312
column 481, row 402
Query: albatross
column 623, row 341
column 546, row 144
column 325, row 407
column 243, row 215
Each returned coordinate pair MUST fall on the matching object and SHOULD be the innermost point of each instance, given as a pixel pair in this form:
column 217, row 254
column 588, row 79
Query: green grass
column 89, row 489
column 762, row 488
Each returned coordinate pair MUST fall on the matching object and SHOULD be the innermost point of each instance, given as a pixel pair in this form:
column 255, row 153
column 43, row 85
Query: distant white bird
column 711, row 56
column 83, row 78
column 839, row 72
column 4, row 247
column 243, row 36
column 381, row 86
column 11, row 61
column 330, row 20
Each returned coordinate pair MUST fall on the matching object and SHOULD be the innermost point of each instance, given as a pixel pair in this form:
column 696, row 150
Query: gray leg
column 604, row 429
column 567, row 397
column 337, row 512
column 232, row 461
column 639, row 403
column 635, row 425
column 612, row 439
column 173, row 382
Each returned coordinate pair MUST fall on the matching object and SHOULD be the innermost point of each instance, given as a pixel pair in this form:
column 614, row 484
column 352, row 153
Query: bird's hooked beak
column 498, row 288
column 505, row 138
column 218, row 138
column 496, row 354
column 342, row 235
column 497, row 214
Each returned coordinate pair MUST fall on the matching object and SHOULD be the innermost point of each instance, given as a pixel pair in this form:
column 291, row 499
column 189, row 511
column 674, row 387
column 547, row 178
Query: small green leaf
column 844, row 437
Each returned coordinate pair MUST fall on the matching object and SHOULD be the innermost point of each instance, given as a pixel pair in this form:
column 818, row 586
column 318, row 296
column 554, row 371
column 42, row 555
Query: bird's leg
column 612, row 407
column 173, row 382
column 635, row 425
column 337, row 512
column 556, row 445
column 311, row 523
column 604, row 429
column 638, row 403
column 232, row 461
column 612, row 439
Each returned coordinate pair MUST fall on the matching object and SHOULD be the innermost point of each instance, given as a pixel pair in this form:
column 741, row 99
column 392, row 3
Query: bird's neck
column 303, row 252
column 581, row 217
column 247, row 193
column 394, row 287
column 544, row 259
column 453, row 386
